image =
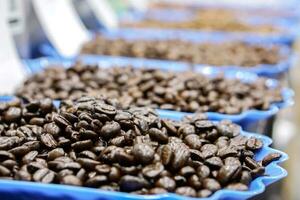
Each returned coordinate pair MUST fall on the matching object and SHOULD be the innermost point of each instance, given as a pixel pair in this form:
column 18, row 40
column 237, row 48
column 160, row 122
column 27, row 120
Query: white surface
column 12, row 72
column 140, row 5
column 104, row 13
column 62, row 25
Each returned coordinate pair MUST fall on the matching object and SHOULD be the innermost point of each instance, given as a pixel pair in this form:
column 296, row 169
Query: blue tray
column 134, row 34
column 12, row 190
column 243, row 119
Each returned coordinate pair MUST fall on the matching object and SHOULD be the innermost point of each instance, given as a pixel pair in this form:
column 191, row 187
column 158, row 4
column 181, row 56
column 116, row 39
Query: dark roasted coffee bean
column 209, row 150
column 81, row 174
column 55, row 153
column 166, row 154
column 4, row 171
column 88, row 154
column 71, row 180
column 257, row 172
column 96, row 181
column 186, row 191
column 270, row 158
column 237, row 186
column 103, row 169
column 167, row 183
column 29, row 157
column 254, row 144
column 82, row 145
column 158, row 135
column 5, row 155
column 110, row 130
column 157, row 191
column 204, row 193
column 20, row 151
column 12, row 114
column 152, row 170
column 252, row 164
column 214, row 162
column 48, row 140
column 180, row 180
column 23, row 175
column 195, row 182
column 52, row 129
column 132, row 183
column 193, row 141
column 186, row 171
column 10, row 164
column 226, row 172
column 203, row 171
column 8, row 142
column 88, row 163
column 227, row 152
column 211, row 184
column 143, row 153
column 61, row 121
column 114, row 174
column 44, row 175
column 181, row 155
column 245, row 177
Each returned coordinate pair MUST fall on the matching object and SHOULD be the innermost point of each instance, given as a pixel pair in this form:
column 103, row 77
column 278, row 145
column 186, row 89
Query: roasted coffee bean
column 208, row 150
column 132, row 183
column 203, row 171
column 252, row 164
column 245, row 177
column 186, row 191
column 181, row 155
column 143, row 153
column 82, row 145
column 8, row 142
column 48, row 140
column 114, row 174
column 29, row 157
column 228, row 151
column 254, row 144
column 226, row 172
column 214, row 162
column 237, row 186
column 96, row 181
column 180, row 180
column 186, row 171
column 52, row 129
column 193, row 141
column 152, row 170
column 71, row 180
column 257, row 172
column 157, row 191
column 166, row 154
column 270, row 157
column 158, row 135
column 103, row 169
column 20, row 151
column 88, row 163
column 5, row 155
column 44, row 175
column 13, row 114
column 211, row 184
column 110, row 130
column 61, row 121
column 4, row 171
column 10, row 164
column 195, row 182
column 55, row 153
column 88, row 154
column 204, row 193
column 167, row 183
column 23, row 175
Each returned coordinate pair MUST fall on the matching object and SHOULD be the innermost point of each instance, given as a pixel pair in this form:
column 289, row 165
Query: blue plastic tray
column 146, row 34
column 27, row 190
column 106, row 61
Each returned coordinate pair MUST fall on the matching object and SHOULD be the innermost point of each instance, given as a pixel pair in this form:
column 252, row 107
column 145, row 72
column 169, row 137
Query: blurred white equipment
column 62, row 25
column 12, row 72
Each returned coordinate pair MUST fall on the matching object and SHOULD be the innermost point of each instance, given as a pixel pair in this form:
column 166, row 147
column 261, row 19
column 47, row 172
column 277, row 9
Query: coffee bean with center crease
column 12, row 114
column 110, row 130
column 44, row 175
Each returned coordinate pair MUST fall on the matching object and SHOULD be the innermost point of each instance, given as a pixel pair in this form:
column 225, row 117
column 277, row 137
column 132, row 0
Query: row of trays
column 247, row 119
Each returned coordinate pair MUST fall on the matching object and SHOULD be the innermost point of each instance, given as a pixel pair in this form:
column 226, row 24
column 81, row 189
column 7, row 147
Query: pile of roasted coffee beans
column 216, row 54
column 208, row 20
column 185, row 91
column 94, row 144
